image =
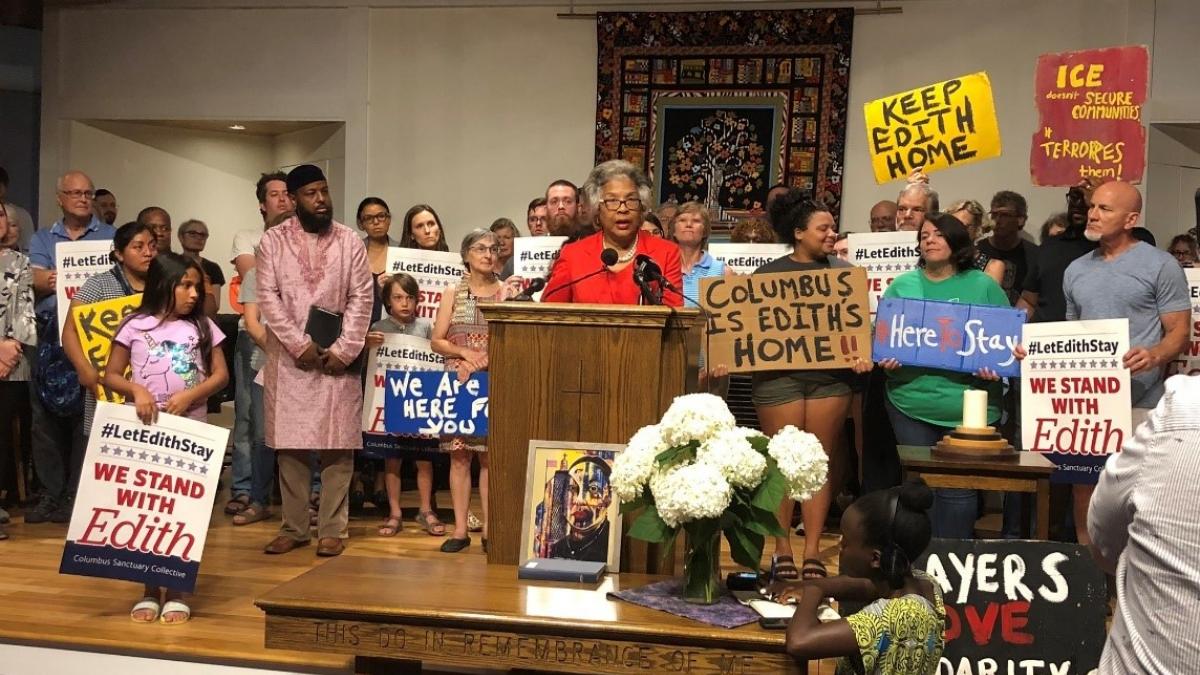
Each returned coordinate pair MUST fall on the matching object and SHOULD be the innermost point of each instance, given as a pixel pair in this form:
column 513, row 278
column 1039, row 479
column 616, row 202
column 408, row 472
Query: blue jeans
column 262, row 458
column 243, row 416
column 954, row 509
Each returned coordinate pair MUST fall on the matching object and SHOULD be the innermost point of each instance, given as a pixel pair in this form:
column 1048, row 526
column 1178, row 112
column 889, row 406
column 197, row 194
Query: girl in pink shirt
column 171, row 348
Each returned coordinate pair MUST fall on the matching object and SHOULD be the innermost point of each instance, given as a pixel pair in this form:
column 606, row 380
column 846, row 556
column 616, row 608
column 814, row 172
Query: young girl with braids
column 901, row 629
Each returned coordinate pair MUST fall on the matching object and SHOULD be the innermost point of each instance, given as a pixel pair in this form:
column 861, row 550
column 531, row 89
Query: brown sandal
column 251, row 514
column 429, row 522
column 391, row 526
column 783, row 568
column 237, row 505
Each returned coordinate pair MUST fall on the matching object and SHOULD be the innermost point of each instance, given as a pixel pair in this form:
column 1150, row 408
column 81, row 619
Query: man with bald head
column 57, row 439
column 1125, row 278
column 883, row 216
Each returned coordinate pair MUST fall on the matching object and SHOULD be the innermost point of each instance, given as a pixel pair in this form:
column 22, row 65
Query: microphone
column 608, row 258
column 645, row 266
column 533, row 287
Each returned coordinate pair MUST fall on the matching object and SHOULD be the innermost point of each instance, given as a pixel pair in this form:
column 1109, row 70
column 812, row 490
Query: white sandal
column 178, row 607
column 146, row 603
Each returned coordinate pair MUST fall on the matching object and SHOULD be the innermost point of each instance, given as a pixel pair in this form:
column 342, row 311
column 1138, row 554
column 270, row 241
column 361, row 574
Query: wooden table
column 1027, row 472
column 463, row 612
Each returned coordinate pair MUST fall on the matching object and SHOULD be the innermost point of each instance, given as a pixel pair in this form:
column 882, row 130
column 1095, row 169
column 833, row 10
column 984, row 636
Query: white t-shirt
column 245, row 242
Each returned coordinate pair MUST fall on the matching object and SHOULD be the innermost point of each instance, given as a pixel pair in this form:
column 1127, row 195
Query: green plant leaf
column 771, row 491
column 745, row 547
column 639, row 503
column 650, row 526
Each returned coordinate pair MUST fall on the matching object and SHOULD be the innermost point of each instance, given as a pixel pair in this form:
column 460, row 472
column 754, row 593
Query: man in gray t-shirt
column 1126, row 278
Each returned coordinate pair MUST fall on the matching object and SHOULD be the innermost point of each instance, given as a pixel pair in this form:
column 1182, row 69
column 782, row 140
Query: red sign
column 1090, row 104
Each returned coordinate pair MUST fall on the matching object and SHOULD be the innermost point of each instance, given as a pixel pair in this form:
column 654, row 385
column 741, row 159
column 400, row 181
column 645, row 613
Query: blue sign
column 435, row 403
column 948, row 335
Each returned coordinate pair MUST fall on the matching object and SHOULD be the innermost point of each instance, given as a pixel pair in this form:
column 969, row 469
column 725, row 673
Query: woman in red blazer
column 619, row 194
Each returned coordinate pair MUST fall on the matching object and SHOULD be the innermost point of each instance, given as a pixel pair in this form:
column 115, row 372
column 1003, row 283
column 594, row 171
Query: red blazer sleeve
column 672, row 268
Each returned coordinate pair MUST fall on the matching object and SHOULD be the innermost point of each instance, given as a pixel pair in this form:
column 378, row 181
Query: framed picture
column 570, row 509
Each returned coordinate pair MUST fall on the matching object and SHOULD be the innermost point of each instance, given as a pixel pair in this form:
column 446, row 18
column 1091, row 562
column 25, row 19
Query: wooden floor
column 38, row 606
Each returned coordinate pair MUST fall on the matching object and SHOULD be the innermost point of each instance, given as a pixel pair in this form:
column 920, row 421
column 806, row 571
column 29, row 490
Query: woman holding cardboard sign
column 925, row 404
column 815, row 401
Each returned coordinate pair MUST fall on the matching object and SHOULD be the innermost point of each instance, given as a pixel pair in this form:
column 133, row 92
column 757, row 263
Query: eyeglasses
column 484, row 249
column 197, row 233
column 630, row 203
column 377, row 218
column 78, row 194
column 1184, row 253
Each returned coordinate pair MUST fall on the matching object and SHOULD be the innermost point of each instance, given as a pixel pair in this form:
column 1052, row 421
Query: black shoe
column 41, row 513
column 455, row 545
column 60, row 515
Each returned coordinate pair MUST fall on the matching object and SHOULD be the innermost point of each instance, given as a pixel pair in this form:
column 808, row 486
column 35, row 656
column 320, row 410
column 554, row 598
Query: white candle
column 975, row 409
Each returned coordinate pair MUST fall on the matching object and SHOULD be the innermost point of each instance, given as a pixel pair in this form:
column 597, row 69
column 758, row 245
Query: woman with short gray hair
column 617, row 195
column 460, row 335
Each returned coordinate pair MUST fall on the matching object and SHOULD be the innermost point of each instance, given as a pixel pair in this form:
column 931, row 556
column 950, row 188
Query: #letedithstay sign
column 145, row 498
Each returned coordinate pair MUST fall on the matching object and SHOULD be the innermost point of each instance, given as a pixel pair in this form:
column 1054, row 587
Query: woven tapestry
column 719, row 106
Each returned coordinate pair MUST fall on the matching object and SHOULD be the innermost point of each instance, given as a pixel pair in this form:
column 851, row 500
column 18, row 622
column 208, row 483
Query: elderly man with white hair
column 57, row 435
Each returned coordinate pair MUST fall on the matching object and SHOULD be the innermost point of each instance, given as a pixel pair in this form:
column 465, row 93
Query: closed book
column 325, row 327
column 560, row 569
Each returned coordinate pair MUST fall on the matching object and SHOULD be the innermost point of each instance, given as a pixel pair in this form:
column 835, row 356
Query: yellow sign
column 933, row 127
column 97, row 325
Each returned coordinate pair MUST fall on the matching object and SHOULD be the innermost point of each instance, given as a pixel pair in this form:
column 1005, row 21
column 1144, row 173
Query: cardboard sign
column 1090, row 109
column 75, row 262
column 948, row 335
column 1075, row 398
column 787, row 320
column 435, row 272
column 1188, row 363
column 398, row 352
column 931, row 128
column 885, row 256
column 745, row 258
column 96, row 324
column 436, row 404
column 1018, row 606
column 145, row 497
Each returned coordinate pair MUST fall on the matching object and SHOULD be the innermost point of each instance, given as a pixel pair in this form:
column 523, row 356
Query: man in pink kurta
column 312, row 402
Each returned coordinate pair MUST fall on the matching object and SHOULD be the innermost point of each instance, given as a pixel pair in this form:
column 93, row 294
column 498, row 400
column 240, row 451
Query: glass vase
column 702, row 567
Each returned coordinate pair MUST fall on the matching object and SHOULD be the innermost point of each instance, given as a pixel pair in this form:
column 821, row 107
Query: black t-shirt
column 1014, row 273
column 213, row 271
column 1046, row 269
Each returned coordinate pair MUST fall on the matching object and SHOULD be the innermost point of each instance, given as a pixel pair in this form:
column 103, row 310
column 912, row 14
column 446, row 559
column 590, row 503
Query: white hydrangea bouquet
column 696, row 470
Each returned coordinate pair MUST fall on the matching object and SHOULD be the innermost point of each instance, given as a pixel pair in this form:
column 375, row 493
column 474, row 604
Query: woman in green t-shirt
column 924, row 404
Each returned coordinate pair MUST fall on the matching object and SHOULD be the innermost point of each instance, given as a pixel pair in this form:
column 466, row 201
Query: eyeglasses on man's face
column 79, row 194
column 196, row 233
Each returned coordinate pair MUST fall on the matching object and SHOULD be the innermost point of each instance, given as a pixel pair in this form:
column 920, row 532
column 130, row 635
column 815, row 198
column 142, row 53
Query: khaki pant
column 295, row 481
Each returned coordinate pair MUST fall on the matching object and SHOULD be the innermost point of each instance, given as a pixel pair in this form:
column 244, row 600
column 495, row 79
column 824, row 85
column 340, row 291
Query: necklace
column 626, row 256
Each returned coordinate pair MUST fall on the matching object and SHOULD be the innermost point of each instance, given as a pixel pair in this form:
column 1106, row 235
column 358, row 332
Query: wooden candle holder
column 974, row 443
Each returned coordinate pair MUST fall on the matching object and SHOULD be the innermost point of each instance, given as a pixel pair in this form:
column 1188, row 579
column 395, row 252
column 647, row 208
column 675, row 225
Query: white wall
column 192, row 174
column 476, row 110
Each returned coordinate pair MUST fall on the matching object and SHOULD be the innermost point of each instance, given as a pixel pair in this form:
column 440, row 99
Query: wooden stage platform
column 40, row 607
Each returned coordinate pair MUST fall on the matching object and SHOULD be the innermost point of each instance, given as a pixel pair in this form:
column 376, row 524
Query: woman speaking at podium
column 616, row 266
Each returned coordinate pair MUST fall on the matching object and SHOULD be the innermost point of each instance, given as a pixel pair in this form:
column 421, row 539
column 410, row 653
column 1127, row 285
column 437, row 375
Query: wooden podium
column 576, row 372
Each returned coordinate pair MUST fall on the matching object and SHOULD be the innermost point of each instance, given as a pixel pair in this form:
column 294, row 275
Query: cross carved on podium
column 579, row 392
